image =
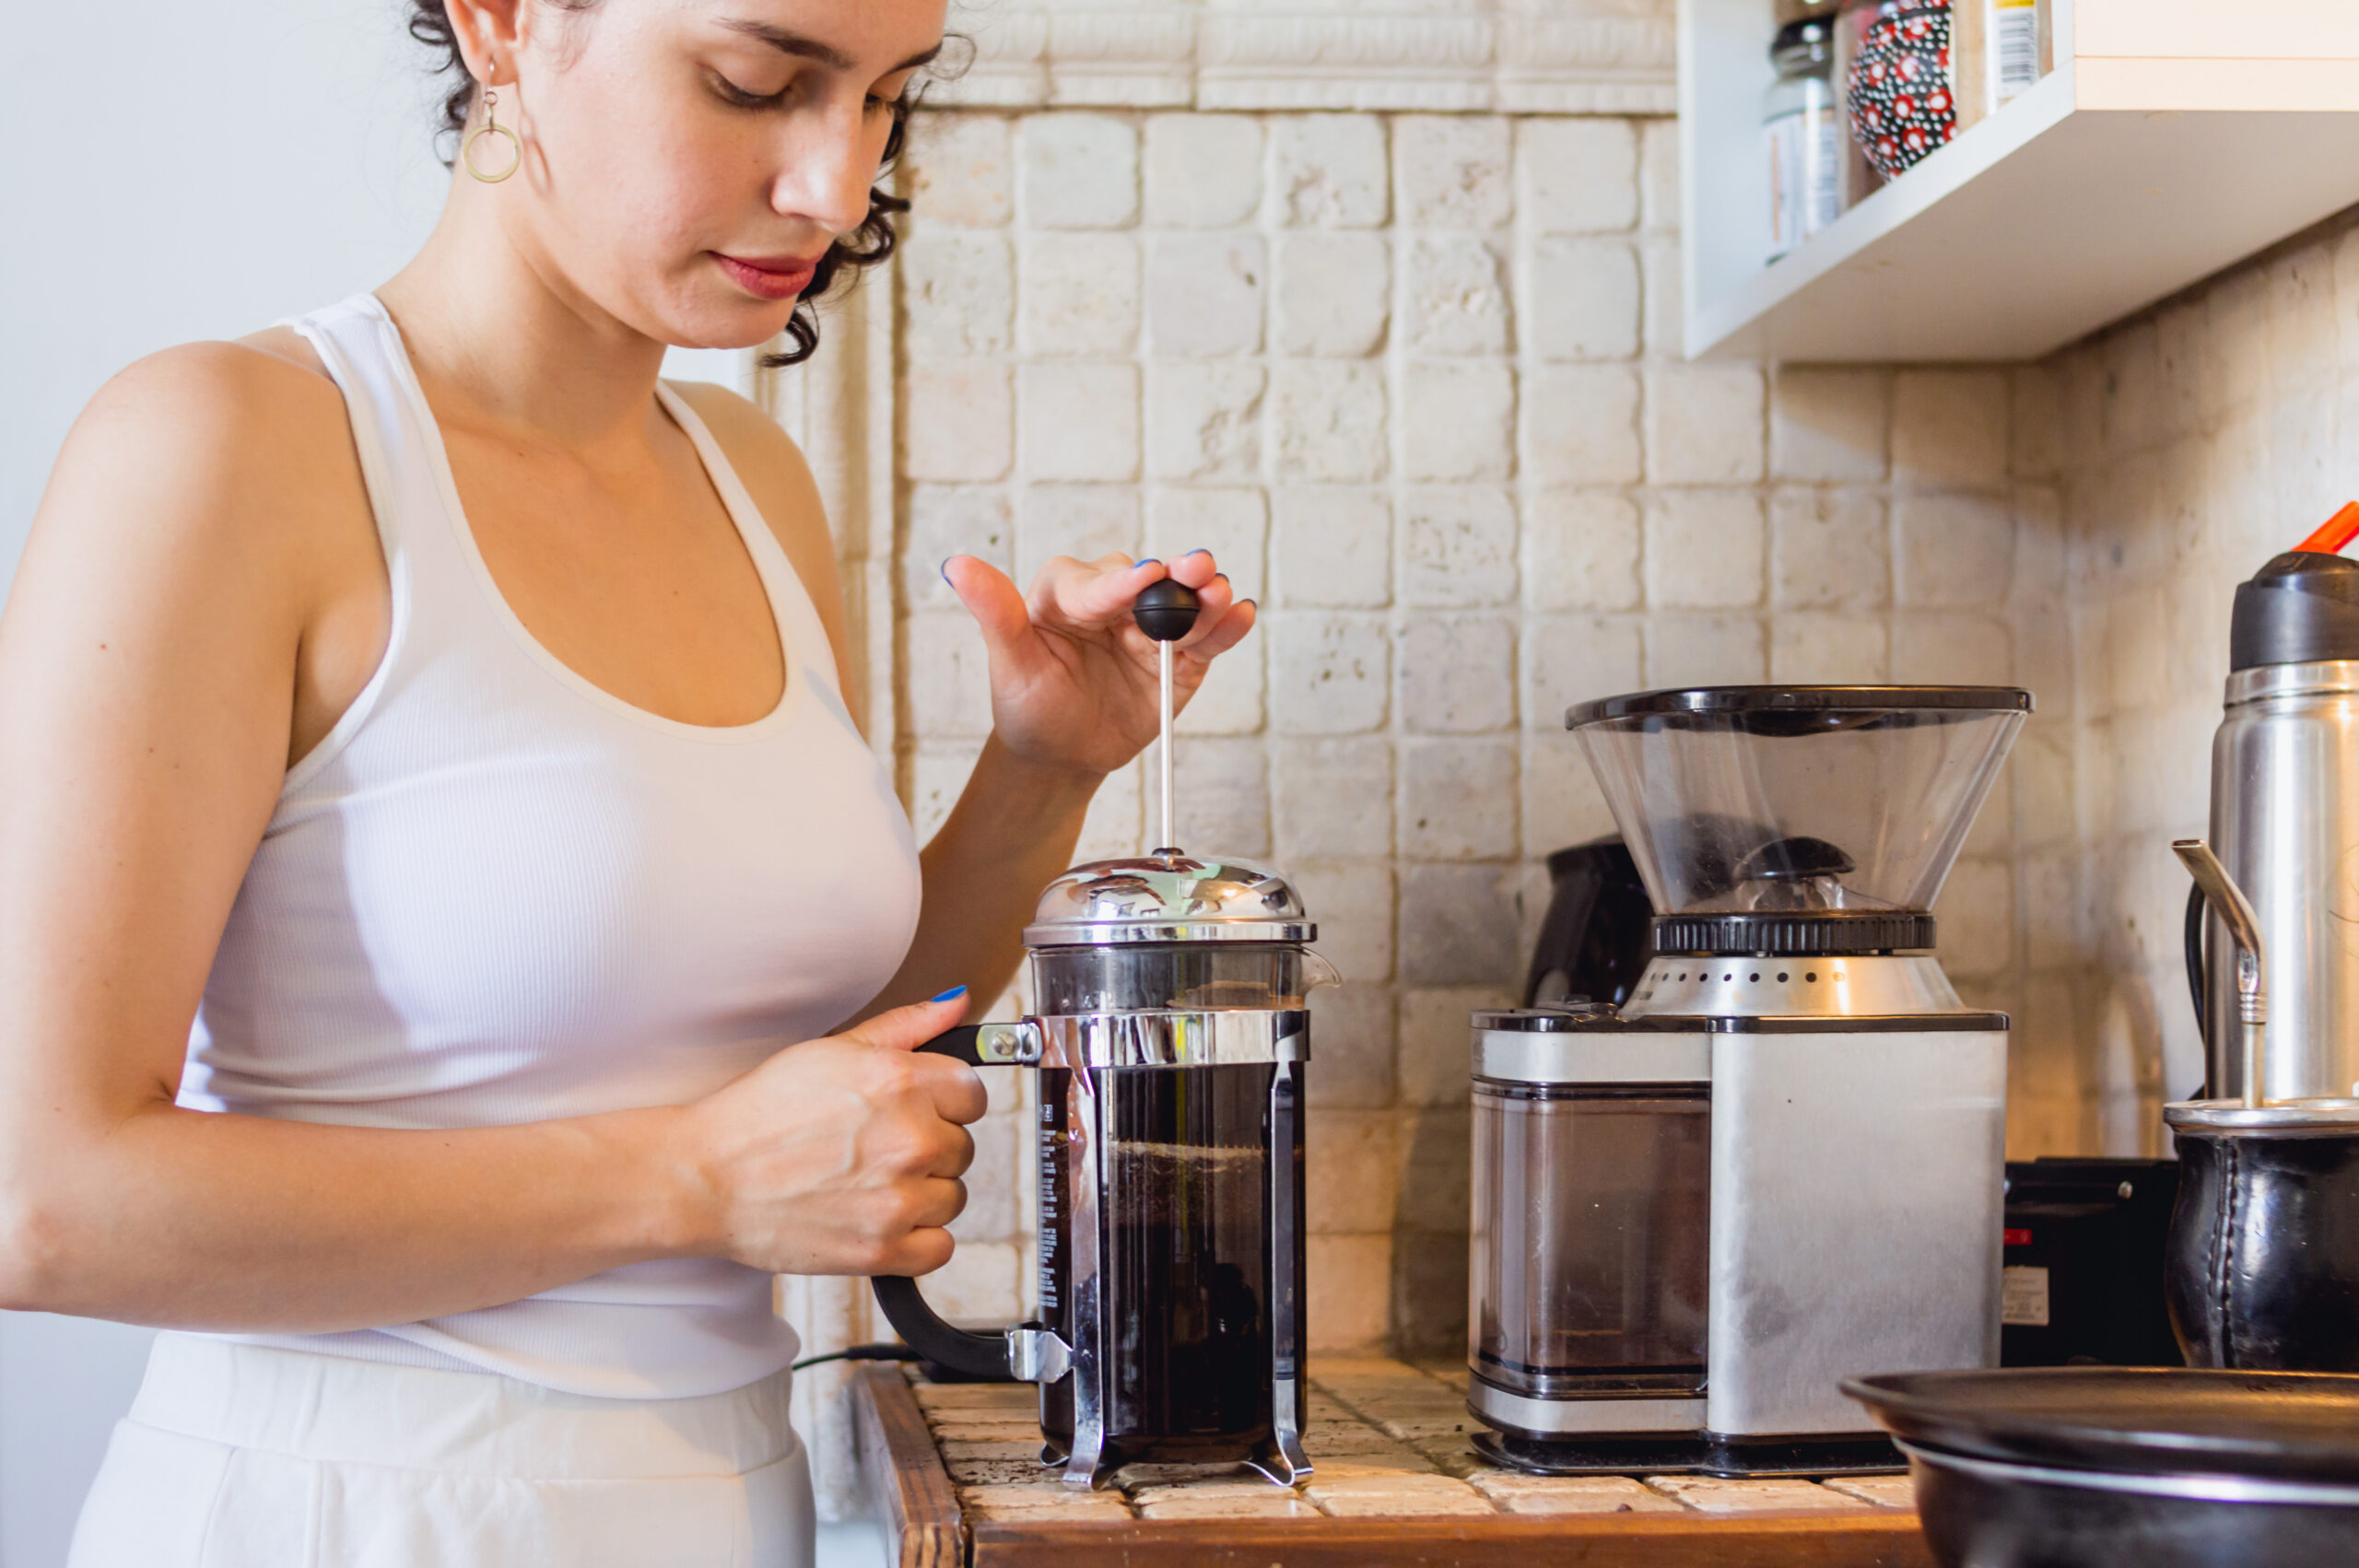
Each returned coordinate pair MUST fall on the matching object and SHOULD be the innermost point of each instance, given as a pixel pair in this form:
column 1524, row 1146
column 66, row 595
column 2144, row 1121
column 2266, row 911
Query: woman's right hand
column 841, row 1155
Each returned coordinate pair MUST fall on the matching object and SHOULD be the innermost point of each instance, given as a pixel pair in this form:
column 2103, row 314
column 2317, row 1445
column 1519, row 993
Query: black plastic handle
column 958, row 1043
column 945, row 1344
column 920, row 1328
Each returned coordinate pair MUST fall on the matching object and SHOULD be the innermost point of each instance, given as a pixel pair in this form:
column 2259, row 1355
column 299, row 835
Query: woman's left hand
column 1073, row 677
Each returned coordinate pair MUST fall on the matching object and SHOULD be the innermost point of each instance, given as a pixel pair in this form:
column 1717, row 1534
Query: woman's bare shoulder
column 208, row 462
column 257, row 411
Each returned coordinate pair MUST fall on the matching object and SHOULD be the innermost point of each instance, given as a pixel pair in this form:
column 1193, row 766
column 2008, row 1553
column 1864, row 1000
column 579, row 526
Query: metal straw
column 2235, row 911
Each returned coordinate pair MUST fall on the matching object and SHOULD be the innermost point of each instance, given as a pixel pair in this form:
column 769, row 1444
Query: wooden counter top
column 953, row 1471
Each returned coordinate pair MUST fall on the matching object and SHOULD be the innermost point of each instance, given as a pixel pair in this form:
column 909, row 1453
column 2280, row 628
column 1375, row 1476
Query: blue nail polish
column 1196, row 553
column 1150, row 561
column 946, row 996
column 944, row 567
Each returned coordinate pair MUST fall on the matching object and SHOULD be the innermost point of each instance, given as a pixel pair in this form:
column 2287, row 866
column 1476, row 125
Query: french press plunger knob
column 1165, row 611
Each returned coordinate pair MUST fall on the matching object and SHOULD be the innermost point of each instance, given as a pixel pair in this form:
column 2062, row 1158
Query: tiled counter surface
column 955, row 1470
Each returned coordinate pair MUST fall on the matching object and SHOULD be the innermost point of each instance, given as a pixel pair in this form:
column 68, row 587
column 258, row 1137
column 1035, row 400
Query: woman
column 429, row 820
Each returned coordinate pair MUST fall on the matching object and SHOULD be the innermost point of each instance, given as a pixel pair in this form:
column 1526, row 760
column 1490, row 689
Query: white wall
column 178, row 171
column 169, row 172
column 2186, row 447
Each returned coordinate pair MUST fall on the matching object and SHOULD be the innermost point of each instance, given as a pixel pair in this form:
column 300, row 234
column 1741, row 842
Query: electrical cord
column 860, row 1352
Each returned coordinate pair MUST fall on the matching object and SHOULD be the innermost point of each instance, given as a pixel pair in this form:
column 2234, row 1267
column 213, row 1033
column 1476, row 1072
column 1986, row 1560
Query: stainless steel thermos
column 2262, row 1270
column 2285, row 824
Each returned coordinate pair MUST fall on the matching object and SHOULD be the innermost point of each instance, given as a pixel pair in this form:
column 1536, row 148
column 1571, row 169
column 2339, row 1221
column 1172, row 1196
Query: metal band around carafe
column 1281, row 1455
column 1088, row 1351
column 2264, row 683
column 1218, row 1038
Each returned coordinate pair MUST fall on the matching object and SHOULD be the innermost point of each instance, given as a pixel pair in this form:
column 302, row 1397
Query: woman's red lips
column 771, row 277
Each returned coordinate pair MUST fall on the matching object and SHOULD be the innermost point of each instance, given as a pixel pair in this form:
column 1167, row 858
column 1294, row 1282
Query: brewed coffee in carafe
column 1169, row 1153
column 1186, row 1241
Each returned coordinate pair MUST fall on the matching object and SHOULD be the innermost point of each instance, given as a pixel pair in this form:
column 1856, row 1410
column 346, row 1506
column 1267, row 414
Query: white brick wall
column 2158, row 465
column 1333, row 294
column 1416, row 378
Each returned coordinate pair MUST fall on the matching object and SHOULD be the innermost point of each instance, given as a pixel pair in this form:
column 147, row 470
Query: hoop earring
column 491, row 127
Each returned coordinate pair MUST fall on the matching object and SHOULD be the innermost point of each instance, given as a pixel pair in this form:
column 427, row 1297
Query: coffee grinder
column 1779, row 1163
column 1171, row 1033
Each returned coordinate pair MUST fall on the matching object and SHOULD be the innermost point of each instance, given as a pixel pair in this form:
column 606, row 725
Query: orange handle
column 2335, row 531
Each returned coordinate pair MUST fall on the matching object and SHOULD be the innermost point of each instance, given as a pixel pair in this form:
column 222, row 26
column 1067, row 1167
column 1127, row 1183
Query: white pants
column 245, row 1457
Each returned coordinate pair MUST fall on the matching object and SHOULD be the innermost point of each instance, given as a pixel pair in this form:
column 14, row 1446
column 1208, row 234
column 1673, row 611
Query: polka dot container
column 1898, row 95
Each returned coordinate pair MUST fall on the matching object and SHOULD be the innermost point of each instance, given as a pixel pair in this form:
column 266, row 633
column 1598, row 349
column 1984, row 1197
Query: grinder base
column 1696, row 1453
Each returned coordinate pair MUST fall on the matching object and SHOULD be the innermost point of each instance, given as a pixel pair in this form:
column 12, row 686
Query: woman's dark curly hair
column 430, row 23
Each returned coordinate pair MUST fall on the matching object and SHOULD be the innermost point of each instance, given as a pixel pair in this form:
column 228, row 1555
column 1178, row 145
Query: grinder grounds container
column 1171, row 1035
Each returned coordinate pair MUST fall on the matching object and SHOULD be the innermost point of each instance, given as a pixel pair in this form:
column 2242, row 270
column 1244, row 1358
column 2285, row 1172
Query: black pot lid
column 1927, row 701
column 2134, row 1420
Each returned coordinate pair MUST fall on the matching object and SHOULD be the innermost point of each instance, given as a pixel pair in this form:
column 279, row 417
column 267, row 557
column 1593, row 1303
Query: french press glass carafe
column 1171, row 1034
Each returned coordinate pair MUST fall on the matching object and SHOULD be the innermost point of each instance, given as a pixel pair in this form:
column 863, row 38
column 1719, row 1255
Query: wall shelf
column 2151, row 156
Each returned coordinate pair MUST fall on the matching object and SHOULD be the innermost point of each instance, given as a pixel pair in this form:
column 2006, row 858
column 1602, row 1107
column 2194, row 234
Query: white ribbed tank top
column 497, row 893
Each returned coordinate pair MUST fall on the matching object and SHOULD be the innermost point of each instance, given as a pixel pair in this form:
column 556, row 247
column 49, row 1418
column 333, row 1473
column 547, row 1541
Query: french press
column 1171, row 1035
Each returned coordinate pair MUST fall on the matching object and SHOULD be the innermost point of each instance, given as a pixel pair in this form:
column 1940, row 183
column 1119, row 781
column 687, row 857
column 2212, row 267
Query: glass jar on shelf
column 1801, row 130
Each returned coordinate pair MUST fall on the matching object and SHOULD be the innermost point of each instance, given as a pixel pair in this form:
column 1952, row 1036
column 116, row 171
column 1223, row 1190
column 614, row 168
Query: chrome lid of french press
column 1169, row 896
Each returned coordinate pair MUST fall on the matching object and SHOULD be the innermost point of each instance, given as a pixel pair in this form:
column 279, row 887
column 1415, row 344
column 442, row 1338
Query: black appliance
column 2083, row 1263
column 1598, row 932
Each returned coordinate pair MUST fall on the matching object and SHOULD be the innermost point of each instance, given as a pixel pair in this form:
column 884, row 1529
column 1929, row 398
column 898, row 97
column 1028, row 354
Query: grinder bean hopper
column 1171, row 1033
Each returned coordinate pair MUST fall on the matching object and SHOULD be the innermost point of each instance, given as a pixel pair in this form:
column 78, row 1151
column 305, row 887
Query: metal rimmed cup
column 2262, row 1270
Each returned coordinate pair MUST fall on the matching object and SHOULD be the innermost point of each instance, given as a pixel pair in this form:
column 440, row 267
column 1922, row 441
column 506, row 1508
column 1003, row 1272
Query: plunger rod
column 1169, row 842
column 1165, row 611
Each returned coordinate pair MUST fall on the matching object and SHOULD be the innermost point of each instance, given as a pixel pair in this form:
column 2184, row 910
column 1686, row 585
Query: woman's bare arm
column 149, row 659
